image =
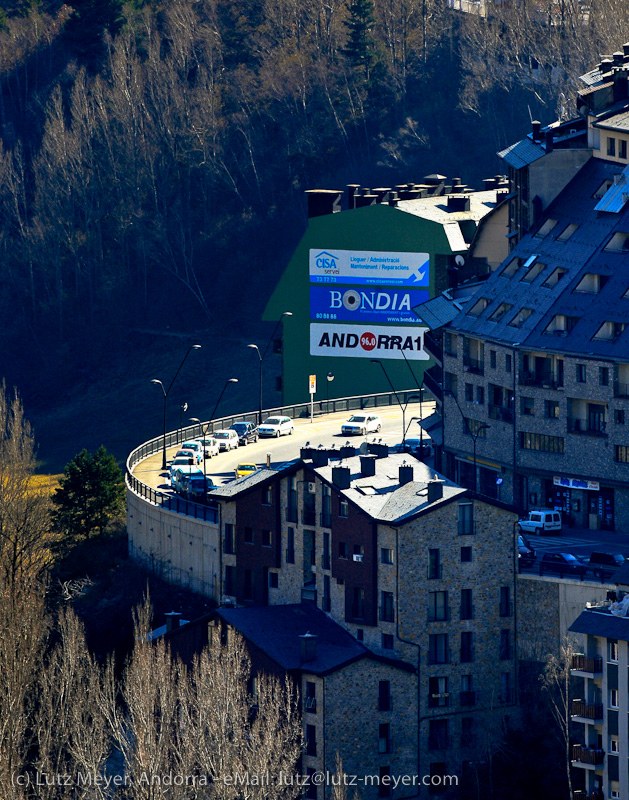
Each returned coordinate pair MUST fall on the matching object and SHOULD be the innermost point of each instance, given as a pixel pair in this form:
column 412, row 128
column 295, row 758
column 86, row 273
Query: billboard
column 373, row 341
column 365, row 304
column 369, row 267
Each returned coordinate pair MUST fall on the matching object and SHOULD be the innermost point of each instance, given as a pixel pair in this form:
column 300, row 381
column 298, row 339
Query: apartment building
column 533, row 363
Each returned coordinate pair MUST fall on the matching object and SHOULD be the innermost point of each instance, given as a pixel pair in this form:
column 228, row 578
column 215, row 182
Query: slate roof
column 599, row 622
column 522, row 153
column 582, row 253
column 381, row 495
column 617, row 122
column 275, row 630
column 251, row 481
column 437, row 312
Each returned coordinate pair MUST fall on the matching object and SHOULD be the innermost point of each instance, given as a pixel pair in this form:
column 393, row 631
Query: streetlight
column 482, row 427
column 403, row 407
column 183, row 407
column 421, row 397
column 329, row 379
column 207, row 428
column 261, row 357
column 166, row 392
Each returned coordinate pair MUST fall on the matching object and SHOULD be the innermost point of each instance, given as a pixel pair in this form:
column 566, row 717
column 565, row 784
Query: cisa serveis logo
column 326, row 261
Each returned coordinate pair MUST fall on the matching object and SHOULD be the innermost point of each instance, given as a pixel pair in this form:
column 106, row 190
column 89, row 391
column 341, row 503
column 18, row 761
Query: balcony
column 433, row 386
column 474, row 365
column 501, row 413
column 587, row 664
column 439, row 700
column 589, row 757
column 581, row 794
column 589, row 712
column 621, row 389
column 433, row 349
column 581, row 426
column 544, row 380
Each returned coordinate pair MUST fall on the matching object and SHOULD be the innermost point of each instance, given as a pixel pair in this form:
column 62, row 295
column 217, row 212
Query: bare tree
column 555, row 681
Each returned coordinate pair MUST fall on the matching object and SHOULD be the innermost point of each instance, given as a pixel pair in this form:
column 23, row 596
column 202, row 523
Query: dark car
column 562, row 564
column 526, row 553
column 606, row 559
column 247, row 432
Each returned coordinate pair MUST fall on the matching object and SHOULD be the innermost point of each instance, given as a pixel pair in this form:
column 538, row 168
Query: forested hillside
column 154, row 156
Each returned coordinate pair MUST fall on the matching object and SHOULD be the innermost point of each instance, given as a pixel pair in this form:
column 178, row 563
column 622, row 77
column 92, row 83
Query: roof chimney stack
column 550, row 141
column 323, row 201
column 308, row 647
column 341, row 477
column 172, row 620
column 435, row 491
column 536, row 128
column 368, row 465
column 406, row 474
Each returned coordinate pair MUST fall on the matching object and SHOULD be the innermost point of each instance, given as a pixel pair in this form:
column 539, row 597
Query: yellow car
column 245, row 469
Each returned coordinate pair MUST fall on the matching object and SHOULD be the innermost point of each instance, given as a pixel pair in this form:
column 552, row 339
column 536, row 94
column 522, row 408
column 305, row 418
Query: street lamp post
column 329, row 379
column 261, row 357
column 207, row 428
column 183, row 407
column 482, row 427
column 403, row 407
column 166, row 392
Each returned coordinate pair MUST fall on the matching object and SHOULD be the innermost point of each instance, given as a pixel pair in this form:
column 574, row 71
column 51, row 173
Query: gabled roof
column 599, row 622
column 437, row 312
column 522, row 153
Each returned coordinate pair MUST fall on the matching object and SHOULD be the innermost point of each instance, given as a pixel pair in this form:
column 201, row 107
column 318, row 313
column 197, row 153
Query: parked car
column 360, row 424
column 526, row 553
column 245, row 468
column 541, row 520
column 195, row 486
column 561, row 563
column 181, row 472
column 247, row 432
column 597, row 559
column 180, row 461
column 276, row 426
column 210, row 446
column 195, row 446
column 227, row 439
column 191, row 454
column 420, row 448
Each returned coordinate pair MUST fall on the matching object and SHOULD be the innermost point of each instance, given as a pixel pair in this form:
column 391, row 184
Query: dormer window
column 561, row 325
column 609, row 331
column 555, row 276
column 567, row 232
column 479, row 306
column 521, row 317
column 591, row 283
column 534, row 271
column 512, row 267
column 619, row 243
column 546, row 228
column 500, row 312
column 602, row 189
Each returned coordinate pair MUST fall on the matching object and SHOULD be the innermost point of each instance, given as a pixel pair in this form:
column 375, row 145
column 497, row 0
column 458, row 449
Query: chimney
column 456, row 182
column 378, row 449
column 323, row 201
column 489, row 183
column 549, row 141
column 536, row 128
column 435, row 491
column 347, row 451
column 406, row 474
column 620, row 85
column 365, row 200
column 172, row 620
column 605, row 66
column 320, row 458
column 393, row 199
column 381, row 195
column 341, row 477
column 368, row 465
column 308, row 647
column 352, row 191
column 457, row 202
column 618, row 57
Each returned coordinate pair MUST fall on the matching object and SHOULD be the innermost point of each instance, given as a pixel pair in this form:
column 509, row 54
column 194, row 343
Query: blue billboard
column 370, row 267
column 365, row 304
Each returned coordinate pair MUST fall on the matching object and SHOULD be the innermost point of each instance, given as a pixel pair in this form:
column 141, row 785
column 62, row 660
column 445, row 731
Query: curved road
column 325, row 430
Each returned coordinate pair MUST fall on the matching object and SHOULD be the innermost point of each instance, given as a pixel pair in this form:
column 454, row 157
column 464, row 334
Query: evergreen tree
column 91, row 494
column 360, row 49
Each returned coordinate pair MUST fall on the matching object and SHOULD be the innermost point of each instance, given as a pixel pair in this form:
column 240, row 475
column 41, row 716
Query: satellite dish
column 459, row 261
column 363, row 449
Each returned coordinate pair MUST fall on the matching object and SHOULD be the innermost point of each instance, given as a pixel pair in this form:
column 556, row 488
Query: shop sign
column 576, row 483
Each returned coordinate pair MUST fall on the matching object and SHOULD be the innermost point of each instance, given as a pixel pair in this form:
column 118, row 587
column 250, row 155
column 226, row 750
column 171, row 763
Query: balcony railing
column 581, row 794
column 500, row 412
column 438, row 699
column 576, row 425
column 433, row 386
column 588, row 755
column 544, row 379
column 584, row 663
column 433, row 349
column 475, row 365
column 587, row 710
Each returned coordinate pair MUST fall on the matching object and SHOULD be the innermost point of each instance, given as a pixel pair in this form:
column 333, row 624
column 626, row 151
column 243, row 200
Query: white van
column 210, row 446
column 541, row 520
column 227, row 439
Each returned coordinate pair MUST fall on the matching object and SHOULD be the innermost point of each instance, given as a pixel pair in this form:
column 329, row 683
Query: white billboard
column 368, row 341
column 370, row 267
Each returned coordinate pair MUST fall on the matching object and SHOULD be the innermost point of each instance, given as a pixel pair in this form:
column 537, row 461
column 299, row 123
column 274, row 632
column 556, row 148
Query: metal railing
column 295, row 411
column 583, row 663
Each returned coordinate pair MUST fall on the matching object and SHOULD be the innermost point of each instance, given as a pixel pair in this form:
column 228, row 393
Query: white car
column 227, row 439
column 276, row 426
column 210, row 446
column 361, row 424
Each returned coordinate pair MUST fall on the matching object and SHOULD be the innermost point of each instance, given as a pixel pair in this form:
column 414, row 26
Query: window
column 546, row 228
column 603, row 376
column 291, row 510
column 273, row 580
column 290, row 546
column 384, row 784
column 512, row 267
column 567, row 232
column 622, row 454
column 609, row 331
column 266, row 538
column 466, row 519
column 480, row 395
column 591, row 283
column 434, row 564
column 267, row 496
column 508, row 361
column 492, row 357
column 248, row 535
column 521, row 317
column 438, row 695
column 467, row 607
column 327, row 599
column 437, row 606
column 467, row 646
column 541, row 442
column 474, row 427
column 612, row 649
column 228, row 539
column 360, row 634
column 387, row 613
column 450, row 382
column 467, row 731
column 343, row 507
column 357, row 552
column 438, row 652
column 469, row 392
column 310, row 700
column 553, row 279
column 325, row 556
column 468, row 695
column 384, row 696
column 533, row 272
column 505, row 687
column 561, row 325
column 620, row 416
column 619, row 243
column 343, row 550
column 311, row 790
column 387, row 641
column 449, row 344
column 527, row 406
column 247, row 591
column 230, row 581
column 384, row 737
column 311, row 740
column 611, row 146
column 479, row 306
column 466, row 554
column 386, row 555
column 326, row 506
column 505, row 644
column 358, row 603
column 613, row 698
column 613, row 744
column 622, row 149
column 505, row 601
column 498, row 315
column 437, row 734
column 551, row 409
